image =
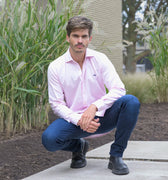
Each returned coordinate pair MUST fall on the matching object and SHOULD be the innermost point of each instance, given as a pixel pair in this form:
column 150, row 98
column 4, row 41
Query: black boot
column 117, row 166
column 78, row 158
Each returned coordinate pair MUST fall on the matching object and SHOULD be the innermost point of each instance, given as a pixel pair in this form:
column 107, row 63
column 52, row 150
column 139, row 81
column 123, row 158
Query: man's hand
column 88, row 116
column 93, row 126
column 87, row 121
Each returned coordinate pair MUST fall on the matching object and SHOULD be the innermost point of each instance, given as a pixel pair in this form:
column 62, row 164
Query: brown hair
column 79, row 22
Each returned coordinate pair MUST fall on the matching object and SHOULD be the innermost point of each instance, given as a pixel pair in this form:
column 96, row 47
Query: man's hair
column 79, row 22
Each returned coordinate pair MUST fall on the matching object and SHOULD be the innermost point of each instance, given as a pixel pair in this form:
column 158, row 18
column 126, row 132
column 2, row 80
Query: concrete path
column 147, row 160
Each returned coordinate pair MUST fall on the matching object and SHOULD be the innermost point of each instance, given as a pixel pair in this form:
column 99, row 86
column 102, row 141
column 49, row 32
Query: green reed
column 155, row 32
column 32, row 34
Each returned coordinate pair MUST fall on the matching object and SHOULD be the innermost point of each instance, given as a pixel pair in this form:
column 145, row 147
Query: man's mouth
column 79, row 45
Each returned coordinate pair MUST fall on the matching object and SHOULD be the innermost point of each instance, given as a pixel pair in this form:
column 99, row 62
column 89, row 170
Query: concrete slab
column 138, row 150
column 146, row 160
column 96, row 169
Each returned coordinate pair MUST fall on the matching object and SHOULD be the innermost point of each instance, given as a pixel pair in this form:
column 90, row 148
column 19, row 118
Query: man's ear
column 67, row 38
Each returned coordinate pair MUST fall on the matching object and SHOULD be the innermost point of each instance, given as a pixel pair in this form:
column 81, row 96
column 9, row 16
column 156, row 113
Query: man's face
column 79, row 40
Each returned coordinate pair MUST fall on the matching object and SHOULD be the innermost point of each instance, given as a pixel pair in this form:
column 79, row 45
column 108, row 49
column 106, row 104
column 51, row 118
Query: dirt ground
column 24, row 155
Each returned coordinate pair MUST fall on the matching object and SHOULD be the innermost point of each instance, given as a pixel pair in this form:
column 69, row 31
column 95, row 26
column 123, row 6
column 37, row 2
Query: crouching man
column 77, row 93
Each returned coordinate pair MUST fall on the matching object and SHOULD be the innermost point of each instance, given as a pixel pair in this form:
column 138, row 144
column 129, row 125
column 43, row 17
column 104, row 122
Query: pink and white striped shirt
column 72, row 89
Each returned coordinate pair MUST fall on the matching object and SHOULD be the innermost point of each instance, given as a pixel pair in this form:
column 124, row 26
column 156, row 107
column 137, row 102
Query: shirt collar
column 89, row 53
column 69, row 58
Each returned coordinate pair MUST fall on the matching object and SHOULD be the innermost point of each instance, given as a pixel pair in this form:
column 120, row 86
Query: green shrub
column 141, row 86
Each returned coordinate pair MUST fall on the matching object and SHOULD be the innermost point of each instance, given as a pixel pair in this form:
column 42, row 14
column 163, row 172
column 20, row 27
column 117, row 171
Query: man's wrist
column 78, row 124
column 95, row 107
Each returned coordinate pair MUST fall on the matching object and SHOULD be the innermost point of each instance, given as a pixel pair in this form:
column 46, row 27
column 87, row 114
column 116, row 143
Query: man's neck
column 78, row 57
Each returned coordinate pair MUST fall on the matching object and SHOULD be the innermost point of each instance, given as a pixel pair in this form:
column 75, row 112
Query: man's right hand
column 93, row 126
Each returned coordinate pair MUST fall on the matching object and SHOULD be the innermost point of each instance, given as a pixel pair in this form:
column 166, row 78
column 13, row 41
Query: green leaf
column 7, row 45
column 31, row 91
column 29, row 14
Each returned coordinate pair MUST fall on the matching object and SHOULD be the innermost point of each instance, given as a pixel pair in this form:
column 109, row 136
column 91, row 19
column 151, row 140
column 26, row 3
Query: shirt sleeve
column 112, row 82
column 56, row 98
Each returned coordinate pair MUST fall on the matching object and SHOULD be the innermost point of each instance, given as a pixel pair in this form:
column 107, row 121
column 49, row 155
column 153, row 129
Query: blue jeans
column 62, row 135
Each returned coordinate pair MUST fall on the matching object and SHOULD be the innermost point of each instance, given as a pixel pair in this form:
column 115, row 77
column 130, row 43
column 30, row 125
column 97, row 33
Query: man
column 77, row 83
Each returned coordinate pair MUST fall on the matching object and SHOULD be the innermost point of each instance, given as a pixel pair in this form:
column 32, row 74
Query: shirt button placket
column 84, row 86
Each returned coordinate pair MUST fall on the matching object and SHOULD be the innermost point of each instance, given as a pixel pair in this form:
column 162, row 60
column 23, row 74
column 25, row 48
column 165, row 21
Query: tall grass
column 31, row 36
column 155, row 34
column 141, row 86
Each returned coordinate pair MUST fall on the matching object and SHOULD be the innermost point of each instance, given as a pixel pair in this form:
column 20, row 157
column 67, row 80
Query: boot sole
column 118, row 172
column 79, row 166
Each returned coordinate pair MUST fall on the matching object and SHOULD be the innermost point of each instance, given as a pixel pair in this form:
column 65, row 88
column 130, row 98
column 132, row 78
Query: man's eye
column 84, row 37
column 76, row 36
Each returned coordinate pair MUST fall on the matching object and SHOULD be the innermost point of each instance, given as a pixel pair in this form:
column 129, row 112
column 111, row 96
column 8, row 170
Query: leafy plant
column 31, row 36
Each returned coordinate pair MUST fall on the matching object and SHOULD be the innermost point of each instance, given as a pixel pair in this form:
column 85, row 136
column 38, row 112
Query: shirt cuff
column 99, row 104
column 75, row 118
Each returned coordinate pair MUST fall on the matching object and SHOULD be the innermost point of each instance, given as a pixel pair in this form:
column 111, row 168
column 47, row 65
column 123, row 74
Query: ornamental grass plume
column 154, row 30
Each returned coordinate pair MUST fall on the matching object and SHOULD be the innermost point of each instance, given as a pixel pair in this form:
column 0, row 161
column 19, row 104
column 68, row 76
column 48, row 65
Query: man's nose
column 80, row 39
